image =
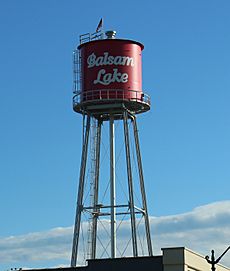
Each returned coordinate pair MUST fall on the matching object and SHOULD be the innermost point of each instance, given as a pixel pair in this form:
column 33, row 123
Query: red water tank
column 111, row 69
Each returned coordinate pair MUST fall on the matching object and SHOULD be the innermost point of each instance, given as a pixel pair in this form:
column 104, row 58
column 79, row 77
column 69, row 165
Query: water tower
column 108, row 90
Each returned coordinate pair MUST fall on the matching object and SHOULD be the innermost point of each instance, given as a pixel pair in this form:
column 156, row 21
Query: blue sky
column 184, row 138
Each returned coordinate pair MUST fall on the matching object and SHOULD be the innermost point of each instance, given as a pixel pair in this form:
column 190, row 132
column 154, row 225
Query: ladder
column 93, row 138
column 77, row 73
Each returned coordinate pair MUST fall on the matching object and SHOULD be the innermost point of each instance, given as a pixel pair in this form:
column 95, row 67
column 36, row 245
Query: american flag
column 99, row 25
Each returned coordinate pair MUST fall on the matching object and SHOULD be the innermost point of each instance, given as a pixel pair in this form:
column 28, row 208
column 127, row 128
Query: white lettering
column 124, row 78
column 99, row 61
column 91, row 60
column 106, row 54
column 127, row 61
column 117, row 60
column 107, row 59
column 107, row 78
column 110, row 60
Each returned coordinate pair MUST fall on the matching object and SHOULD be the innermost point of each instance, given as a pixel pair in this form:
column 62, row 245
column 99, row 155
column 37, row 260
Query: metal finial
column 214, row 261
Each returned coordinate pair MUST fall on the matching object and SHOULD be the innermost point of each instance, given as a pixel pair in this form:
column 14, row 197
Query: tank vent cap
column 111, row 34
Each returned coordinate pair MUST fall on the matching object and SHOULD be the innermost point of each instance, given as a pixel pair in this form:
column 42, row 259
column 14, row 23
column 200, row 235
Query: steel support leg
column 141, row 178
column 130, row 184
column 96, row 186
column 112, row 187
column 80, row 195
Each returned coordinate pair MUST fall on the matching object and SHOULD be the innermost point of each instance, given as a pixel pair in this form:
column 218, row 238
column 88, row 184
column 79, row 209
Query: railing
column 91, row 36
column 111, row 95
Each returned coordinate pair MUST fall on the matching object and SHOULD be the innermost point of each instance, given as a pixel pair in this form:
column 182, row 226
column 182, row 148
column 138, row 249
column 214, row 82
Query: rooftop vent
column 111, row 34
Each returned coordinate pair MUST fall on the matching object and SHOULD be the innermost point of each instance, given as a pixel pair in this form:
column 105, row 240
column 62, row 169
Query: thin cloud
column 204, row 228
column 207, row 216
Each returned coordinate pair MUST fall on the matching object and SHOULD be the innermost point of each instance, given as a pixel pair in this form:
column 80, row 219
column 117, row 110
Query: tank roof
column 111, row 40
